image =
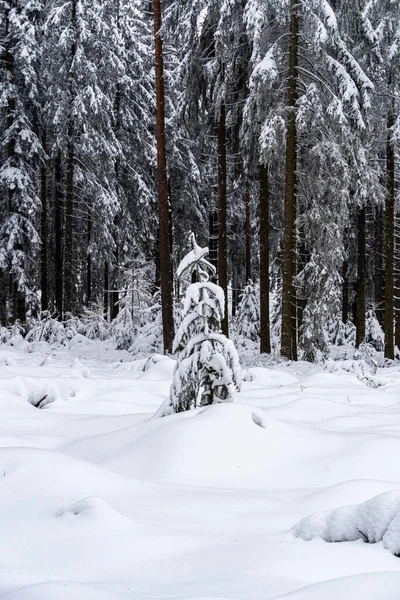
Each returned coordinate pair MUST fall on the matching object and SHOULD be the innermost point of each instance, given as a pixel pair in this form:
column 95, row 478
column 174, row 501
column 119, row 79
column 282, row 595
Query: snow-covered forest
column 199, row 299
column 270, row 128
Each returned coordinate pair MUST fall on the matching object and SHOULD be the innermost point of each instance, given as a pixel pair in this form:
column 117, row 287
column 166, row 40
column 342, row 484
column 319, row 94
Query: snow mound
column 373, row 521
column 370, row 586
column 94, row 509
column 62, row 591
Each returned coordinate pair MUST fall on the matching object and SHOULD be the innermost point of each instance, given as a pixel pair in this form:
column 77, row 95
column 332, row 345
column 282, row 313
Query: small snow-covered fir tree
column 207, row 368
column 248, row 314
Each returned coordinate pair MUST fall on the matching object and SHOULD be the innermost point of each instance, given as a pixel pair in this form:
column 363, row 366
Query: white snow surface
column 99, row 500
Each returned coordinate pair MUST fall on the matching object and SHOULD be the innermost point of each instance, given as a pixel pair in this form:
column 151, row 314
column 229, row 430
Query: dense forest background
column 271, row 128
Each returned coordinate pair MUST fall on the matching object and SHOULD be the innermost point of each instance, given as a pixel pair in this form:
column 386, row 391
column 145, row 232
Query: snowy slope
column 101, row 501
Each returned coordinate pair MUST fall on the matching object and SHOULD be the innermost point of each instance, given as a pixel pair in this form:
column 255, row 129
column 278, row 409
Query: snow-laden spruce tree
column 207, row 368
column 248, row 313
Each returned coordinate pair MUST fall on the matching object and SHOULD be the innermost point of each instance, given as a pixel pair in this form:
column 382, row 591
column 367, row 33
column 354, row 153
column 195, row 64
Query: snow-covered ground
column 100, row 501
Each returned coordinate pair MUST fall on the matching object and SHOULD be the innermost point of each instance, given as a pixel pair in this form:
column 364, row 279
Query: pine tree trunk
column 389, row 275
column 213, row 240
column 106, row 291
column 58, row 231
column 69, row 205
column 222, row 209
column 89, row 262
column 379, row 280
column 115, row 292
column 165, row 244
column 44, row 230
column 265, row 333
column 248, row 238
column 345, row 292
column 361, row 277
column 289, row 333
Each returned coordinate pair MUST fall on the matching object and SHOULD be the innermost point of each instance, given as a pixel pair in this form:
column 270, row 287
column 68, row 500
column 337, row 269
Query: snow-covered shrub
column 149, row 336
column 96, row 327
column 373, row 521
column 373, row 332
column 207, row 367
column 247, row 319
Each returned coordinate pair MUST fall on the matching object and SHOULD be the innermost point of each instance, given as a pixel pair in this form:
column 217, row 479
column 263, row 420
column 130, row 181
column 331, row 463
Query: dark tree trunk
column 389, row 274
column 58, row 231
column 222, row 209
column 89, row 262
column 44, row 231
column 248, row 238
column 213, row 240
column 345, row 292
column 115, row 293
column 265, row 333
column 379, row 279
column 289, row 333
column 361, row 277
column 106, row 290
column 69, row 206
column 165, row 242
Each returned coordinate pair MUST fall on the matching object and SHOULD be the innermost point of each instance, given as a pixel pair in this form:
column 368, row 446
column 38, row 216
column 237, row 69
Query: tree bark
column 58, row 231
column 44, row 232
column 165, row 256
column 361, row 277
column 248, row 238
column 213, row 240
column 289, row 333
column 222, row 210
column 265, row 333
column 389, row 226
column 106, row 291
column 89, row 262
column 345, row 292
column 379, row 280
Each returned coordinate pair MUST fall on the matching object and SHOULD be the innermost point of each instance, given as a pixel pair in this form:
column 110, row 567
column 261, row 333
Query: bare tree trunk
column 222, row 209
column 69, row 206
column 389, row 275
column 361, row 277
column 106, row 291
column 265, row 334
column 89, row 262
column 345, row 292
column 58, row 229
column 165, row 256
column 44, row 232
column 213, row 239
column 289, row 335
column 379, row 280
column 248, row 238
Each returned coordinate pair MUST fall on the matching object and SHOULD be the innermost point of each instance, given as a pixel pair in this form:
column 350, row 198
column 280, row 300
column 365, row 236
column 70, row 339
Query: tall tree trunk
column 289, row 334
column 58, row 231
column 248, row 238
column 361, row 277
column 222, row 209
column 89, row 262
column 106, row 290
column 115, row 292
column 69, row 206
column 44, row 231
column 165, row 244
column 379, row 280
column 213, row 240
column 265, row 333
column 345, row 292
column 389, row 275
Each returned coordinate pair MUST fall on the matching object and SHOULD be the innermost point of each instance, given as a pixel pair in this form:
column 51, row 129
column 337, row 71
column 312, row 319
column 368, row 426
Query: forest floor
column 100, row 501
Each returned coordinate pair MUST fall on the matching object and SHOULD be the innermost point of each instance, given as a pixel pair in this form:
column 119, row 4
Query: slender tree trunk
column 44, row 230
column 165, row 244
column 106, row 290
column 248, row 238
column 289, row 334
column 222, row 209
column 389, row 275
column 115, row 292
column 379, row 280
column 265, row 334
column 69, row 206
column 345, row 292
column 213, row 240
column 89, row 262
column 58, row 231
column 361, row 277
